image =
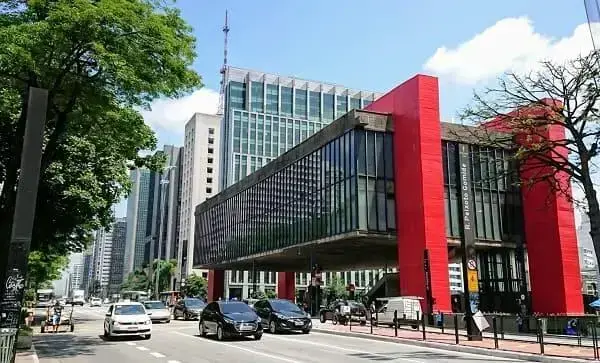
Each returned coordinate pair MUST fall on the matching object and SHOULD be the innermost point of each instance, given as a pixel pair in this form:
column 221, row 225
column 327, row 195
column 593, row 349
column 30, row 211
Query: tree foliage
column 136, row 281
column 100, row 62
column 195, row 286
column 561, row 99
column 163, row 270
column 335, row 289
column 43, row 268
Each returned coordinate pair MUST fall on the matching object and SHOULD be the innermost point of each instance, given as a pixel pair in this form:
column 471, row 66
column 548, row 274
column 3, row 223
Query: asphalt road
column 178, row 342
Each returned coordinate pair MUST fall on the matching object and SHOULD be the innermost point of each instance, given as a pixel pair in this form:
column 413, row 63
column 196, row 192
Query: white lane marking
column 349, row 350
column 130, row 343
column 143, row 349
column 157, row 355
column 440, row 350
column 272, row 356
column 34, row 356
column 173, row 361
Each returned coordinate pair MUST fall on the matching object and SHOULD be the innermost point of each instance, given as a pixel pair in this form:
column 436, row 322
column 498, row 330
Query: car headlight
column 115, row 323
column 228, row 321
column 283, row 317
column 148, row 322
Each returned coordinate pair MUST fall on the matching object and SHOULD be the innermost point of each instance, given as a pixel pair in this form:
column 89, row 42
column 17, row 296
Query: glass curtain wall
column 343, row 186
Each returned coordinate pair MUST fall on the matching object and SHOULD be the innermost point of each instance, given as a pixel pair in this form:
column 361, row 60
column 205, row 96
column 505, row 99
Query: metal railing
column 7, row 345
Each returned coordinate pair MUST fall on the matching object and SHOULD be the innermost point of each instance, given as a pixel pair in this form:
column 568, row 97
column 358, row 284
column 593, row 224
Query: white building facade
column 199, row 181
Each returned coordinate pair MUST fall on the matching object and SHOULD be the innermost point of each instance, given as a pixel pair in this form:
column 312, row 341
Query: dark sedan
column 188, row 308
column 230, row 319
column 282, row 315
column 335, row 311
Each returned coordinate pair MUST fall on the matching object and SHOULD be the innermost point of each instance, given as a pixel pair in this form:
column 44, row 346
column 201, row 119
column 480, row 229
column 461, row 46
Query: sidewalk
column 524, row 350
column 27, row 356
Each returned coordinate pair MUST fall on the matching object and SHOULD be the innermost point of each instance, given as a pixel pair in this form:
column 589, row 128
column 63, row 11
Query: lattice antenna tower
column 223, row 68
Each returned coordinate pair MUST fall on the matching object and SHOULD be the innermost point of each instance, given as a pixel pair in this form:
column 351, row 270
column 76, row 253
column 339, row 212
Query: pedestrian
column 57, row 311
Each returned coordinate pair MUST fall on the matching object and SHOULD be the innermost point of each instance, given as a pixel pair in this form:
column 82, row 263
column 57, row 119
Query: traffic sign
column 473, row 281
column 472, row 265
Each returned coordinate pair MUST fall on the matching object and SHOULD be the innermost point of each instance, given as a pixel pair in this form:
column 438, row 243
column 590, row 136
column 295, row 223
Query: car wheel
column 168, row 321
column 272, row 327
column 322, row 318
column 147, row 336
column 186, row 316
column 334, row 321
column 305, row 331
column 201, row 330
column 257, row 336
column 220, row 334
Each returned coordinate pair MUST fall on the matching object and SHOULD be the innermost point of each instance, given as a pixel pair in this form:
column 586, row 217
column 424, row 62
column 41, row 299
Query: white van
column 408, row 307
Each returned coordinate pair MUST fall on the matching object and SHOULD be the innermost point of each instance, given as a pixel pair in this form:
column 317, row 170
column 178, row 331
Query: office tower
column 165, row 214
column 199, row 180
column 587, row 257
column 102, row 260
column 117, row 255
column 87, row 261
column 140, row 203
column 265, row 115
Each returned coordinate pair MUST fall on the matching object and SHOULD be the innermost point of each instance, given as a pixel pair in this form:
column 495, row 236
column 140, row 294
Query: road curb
column 455, row 348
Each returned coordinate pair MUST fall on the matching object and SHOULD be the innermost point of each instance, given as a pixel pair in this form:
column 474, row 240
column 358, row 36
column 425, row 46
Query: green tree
column 44, row 268
column 560, row 96
column 336, row 289
column 136, row 281
column 164, row 270
column 270, row 294
column 195, row 286
column 100, row 61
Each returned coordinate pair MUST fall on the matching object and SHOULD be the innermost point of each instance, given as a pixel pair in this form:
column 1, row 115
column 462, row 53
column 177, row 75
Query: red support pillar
column 419, row 188
column 286, row 285
column 216, row 285
column 549, row 222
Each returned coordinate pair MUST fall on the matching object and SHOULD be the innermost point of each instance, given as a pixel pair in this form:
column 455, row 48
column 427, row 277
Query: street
column 178, row 342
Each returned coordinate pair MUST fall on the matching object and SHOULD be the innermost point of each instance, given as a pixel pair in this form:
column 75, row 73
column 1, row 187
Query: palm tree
column 165, row 271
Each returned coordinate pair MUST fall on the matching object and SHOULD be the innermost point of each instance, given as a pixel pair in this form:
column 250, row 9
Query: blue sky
column 373, row 45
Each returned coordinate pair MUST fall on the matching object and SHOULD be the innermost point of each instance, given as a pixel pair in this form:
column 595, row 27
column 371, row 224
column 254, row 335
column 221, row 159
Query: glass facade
column 343, row 186
column 497, row 201
column 280, row 113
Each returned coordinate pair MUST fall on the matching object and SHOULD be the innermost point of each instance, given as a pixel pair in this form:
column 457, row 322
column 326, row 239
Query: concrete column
column 286, row 285
column 216, row 285
column 419, row 186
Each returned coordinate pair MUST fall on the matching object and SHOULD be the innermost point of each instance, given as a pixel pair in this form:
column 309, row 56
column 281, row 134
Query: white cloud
column 172, row 114
column 512, row 44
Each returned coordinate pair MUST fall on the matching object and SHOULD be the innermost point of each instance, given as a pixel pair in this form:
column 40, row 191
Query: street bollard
column 442, row 321
column 540, row 335
column 595, row 340
column 396, row 323
column 502, row 326
column 423, row 323
column 418, row 320
column 456, row 328
column 578, row 332
column 371, row 324
column 494, row 325
column 350, row 322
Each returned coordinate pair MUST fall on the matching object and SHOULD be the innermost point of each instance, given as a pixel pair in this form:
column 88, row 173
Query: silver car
column 158, row 312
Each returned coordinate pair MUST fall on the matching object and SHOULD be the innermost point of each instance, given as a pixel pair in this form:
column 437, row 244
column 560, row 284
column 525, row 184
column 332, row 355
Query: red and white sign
column 472, row 265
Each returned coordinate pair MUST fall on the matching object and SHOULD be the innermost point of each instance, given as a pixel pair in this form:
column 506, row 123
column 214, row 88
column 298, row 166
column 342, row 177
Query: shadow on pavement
column 59, row 346
column 213, row 337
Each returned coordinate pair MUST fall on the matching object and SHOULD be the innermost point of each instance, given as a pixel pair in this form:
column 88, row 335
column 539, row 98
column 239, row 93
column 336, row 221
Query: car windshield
column 129, row 310
column 354, row 304
column 233, row 308
column 284, row 305
column 194, row 303
column 154, row 305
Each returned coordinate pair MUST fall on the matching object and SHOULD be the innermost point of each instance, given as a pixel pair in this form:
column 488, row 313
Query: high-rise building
column 199, row 180
column 265, row 115
column 119, row 234
column 140, row 205
column 587, row 257
column 165, row 214
column 101, row 260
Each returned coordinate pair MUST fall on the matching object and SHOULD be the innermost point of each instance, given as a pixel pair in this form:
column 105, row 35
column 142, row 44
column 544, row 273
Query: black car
column 282, row 315
column 230, row 319
column 335, row 312
column 188, row 308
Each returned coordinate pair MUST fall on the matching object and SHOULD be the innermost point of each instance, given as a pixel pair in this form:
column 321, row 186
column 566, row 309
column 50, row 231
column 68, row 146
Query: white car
column 95, row 302
column 127, row 319
column 158, row 312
